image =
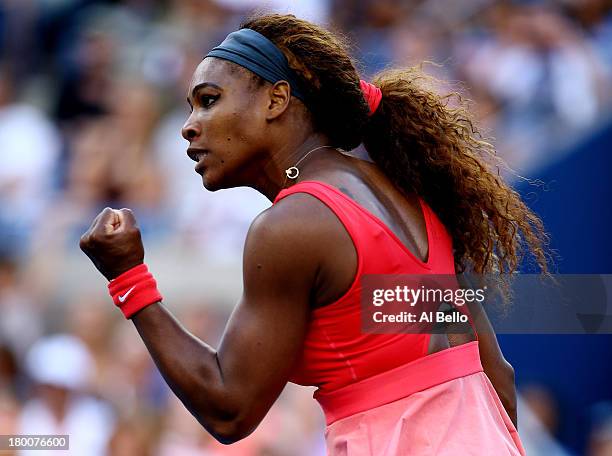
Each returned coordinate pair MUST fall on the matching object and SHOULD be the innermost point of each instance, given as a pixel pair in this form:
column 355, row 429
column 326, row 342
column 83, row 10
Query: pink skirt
column 442, row 404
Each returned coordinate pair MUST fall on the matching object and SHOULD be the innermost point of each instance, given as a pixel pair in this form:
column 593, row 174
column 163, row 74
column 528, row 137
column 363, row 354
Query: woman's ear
column 279, row 95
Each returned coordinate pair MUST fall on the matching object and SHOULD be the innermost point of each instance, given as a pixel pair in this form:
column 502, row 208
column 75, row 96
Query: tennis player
column 274, row 107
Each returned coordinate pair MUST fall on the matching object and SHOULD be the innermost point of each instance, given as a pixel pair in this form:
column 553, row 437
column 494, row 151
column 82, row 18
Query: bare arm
column 230, row 390
column 497, row 368
column 499, row 371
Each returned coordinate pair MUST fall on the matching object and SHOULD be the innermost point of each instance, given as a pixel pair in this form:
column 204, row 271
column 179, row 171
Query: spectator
column 21, row 323
column 29, row 148
column 112, row 160
column 60, row 367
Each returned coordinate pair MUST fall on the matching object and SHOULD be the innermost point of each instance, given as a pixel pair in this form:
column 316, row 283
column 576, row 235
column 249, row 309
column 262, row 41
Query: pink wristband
column 134, row 290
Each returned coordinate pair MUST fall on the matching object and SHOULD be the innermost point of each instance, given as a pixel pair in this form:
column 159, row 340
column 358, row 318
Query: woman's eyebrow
column 203, row 85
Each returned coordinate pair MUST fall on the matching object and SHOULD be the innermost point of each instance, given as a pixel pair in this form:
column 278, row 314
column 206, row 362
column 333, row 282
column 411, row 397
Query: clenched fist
column 113, row 242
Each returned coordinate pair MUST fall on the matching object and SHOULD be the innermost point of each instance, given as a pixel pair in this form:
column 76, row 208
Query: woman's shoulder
column 304, row 240
column 297, row 216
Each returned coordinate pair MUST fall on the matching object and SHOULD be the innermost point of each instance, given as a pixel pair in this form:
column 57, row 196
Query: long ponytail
column 430, row 147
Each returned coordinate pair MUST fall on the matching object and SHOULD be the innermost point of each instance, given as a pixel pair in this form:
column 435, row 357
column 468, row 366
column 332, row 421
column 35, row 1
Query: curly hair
column 424, row 143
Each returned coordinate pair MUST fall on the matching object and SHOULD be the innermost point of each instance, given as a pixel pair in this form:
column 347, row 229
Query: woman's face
column 226, row 129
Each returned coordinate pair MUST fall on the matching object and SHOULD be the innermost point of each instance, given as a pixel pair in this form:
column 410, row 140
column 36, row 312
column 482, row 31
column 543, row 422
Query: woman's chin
column 216, row 179
column 210, row 183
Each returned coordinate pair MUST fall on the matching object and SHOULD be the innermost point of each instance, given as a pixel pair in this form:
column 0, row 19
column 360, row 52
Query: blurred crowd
column 92, row 100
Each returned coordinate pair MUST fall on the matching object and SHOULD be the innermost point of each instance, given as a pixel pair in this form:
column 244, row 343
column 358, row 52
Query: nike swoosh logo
column 124, row 297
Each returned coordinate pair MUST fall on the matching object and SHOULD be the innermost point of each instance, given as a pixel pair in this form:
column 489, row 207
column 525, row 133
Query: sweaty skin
column 297, row 254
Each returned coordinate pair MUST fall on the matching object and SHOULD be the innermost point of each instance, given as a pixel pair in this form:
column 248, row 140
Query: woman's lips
column 197, row 155
column 199, row 167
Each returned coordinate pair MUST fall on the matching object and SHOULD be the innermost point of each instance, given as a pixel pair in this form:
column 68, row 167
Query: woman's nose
column 191, row 130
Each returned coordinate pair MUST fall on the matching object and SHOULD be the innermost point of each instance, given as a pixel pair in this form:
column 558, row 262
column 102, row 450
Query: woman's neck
column 274, row 176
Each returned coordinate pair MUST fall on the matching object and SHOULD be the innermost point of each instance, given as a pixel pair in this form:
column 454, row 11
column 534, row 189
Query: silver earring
column 292, row 173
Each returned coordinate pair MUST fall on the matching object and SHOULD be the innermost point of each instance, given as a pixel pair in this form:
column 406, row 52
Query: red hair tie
column 372, row 95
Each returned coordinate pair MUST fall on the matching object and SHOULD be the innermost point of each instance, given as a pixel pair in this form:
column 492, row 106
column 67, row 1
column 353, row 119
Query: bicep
column 265, row 333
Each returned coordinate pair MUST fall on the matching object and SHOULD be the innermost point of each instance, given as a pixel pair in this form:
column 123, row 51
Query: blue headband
column 256, row 53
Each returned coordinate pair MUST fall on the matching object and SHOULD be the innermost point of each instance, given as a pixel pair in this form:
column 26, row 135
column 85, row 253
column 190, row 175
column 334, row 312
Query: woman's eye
column 207, row 100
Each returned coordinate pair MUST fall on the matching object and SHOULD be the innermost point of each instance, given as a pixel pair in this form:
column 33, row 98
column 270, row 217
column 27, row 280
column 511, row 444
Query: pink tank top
column 336, row 352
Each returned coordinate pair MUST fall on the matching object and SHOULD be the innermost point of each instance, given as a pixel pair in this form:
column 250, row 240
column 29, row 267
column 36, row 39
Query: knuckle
column 97, row 236
column 107, row 211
